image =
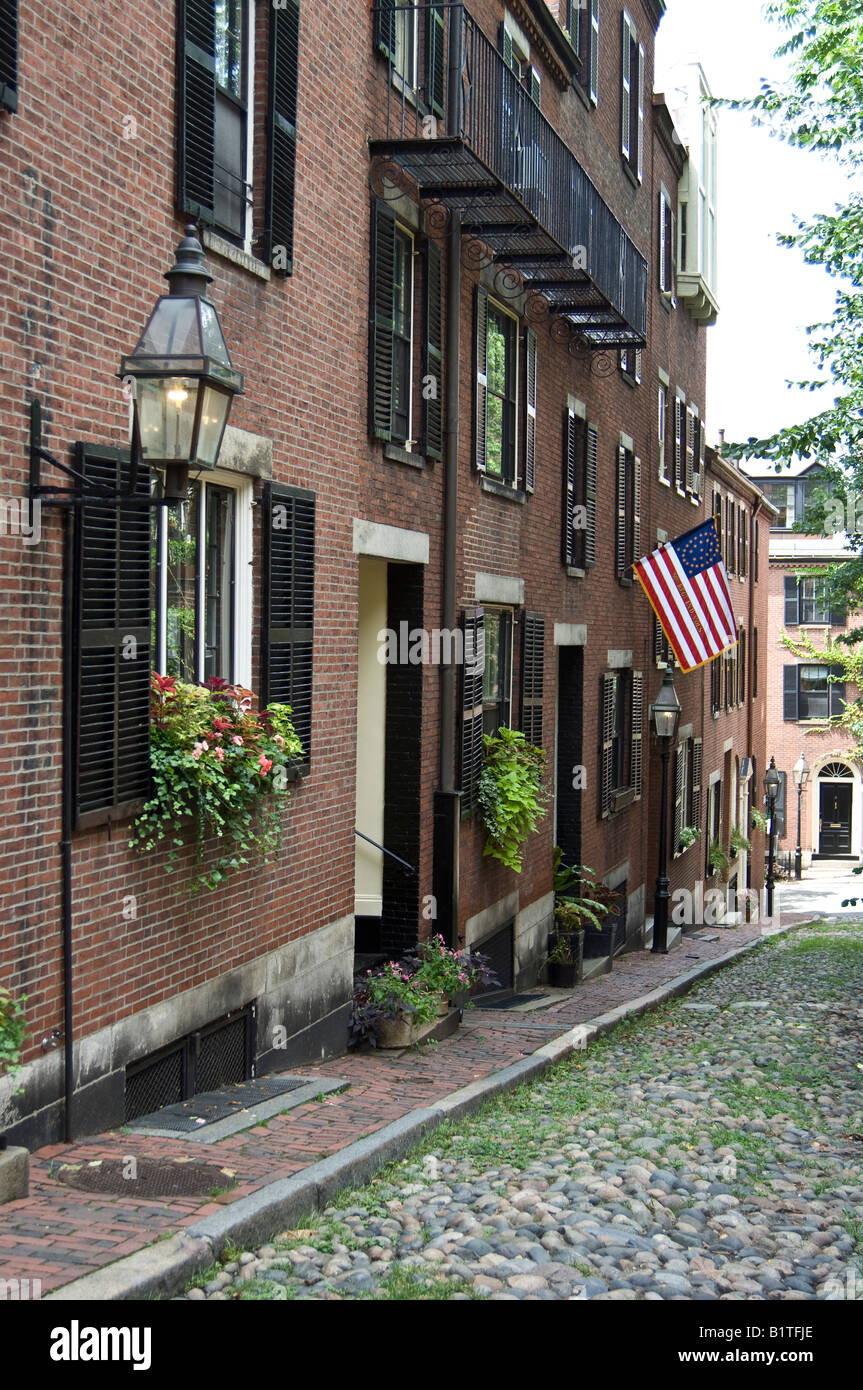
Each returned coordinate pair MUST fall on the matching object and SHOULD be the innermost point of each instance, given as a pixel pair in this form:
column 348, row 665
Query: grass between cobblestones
column 783, row 1069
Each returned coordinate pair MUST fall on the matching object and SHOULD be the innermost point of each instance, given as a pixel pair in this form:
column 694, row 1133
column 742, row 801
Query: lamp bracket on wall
column 84, row 491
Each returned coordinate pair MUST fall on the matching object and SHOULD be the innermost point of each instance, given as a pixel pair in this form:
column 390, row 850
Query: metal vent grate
column 222, row 1056
column 219, row 1055
column 209, row 1106
column 152, row 1084
column 500, row 949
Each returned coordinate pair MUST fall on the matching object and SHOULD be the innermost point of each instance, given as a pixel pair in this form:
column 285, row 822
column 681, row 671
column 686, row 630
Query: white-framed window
column 403, row 335
column 629, row 361
column 201, row 594
column 632, row 79
column 667, row 248
column 235, row 86
column 662, row 431
column 406, row 34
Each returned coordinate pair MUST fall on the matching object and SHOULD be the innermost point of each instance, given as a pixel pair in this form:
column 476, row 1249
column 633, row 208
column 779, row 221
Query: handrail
column 404, row 863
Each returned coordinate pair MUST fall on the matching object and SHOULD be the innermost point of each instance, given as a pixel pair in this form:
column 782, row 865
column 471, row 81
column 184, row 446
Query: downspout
column 70, row 628
column 445, row 872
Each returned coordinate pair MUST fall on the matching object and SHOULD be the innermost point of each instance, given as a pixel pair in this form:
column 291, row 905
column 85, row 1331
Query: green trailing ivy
column 220, row 770
column 13, row 1030
column 510, row 794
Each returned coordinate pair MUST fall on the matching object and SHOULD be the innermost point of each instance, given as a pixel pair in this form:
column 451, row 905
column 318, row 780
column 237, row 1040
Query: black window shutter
column 481, row 378
column 789, row 692
column 532, row 677
column 381, row 325
column 792, row 611
column 9, row 54
column 590, row 466
column 288, row 605
column 385, row 28
column 679, row 757
column 754, row 681
column 741, row 667
column 196, row 108
column 284, row 65
column 530, row 413
column 697, row 764
column 435, row 69
column 570, row 466
column 620, row 544
column 111, row 607
column 433, row 371
column 606, row 743
column 635, row 763
column 837, row 693
column 473, row 668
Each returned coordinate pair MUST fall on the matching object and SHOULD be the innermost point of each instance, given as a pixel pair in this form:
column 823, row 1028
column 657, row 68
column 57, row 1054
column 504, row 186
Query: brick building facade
column 473, row 388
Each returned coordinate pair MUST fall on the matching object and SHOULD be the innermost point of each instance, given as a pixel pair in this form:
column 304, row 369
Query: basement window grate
column 219, row 1055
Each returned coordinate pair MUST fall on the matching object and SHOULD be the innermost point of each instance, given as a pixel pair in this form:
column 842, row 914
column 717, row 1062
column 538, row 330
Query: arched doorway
column 836, row 810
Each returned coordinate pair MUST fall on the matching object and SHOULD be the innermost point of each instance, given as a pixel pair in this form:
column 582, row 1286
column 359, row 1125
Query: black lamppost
column 800, row 771
column 772, row 784
column 664, row 715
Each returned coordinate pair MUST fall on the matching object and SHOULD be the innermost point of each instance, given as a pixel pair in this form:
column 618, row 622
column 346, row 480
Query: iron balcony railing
column 496, row 118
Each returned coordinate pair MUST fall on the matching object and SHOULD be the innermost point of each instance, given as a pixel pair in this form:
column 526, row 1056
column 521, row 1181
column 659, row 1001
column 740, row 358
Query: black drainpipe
column 447, row 799
column 70, row 637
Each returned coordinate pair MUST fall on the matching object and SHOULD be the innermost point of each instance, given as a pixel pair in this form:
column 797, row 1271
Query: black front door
column 835, row 835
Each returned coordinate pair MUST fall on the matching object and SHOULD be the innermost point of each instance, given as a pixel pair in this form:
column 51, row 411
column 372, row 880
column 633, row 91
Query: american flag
column 687, row 586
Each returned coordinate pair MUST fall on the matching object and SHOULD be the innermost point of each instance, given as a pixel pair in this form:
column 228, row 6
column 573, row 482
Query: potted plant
column 510, row 794
column 454, row 975
column 719, row 860
column 401, row 1001
column 688, row 835
column 582, row 906
column 219, row 768
column 738, row 843
column 566, row 945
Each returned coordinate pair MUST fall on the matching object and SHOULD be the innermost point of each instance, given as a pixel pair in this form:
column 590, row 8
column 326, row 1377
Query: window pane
column 182, row 570
column 500, row 402
column 229, row 45
column 814, row 697
column 219, row 582
column 402, row 335
column 405, row 59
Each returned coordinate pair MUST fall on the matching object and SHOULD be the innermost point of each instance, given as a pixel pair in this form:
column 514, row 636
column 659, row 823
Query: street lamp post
column 801, row 777
column 664, row 715
column 772, row 784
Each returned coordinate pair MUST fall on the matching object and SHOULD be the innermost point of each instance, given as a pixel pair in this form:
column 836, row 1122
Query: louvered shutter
column 435, row 70
column 288, row 605
column 679, row 408
column 606, row 750
column 385, row 28
column 536, row 86
column 594, row 51
column 789, row 692
column 838, row 617
column 663, row 245
column 382, row 322
column 690, row 450
column 433, row 370
column 506, row 45
column 532, row 677
column 471, row 707
column 570, row 465
column 697, row 763
column 755, row 549
column 590, row 467
column 741, row 667
column 730, row 538
column 196, row 108
column 282, row 135
column 9, row 54
column 640, row 132
column 678, row 800
column 837, row 693
column 792, row 608
column 658, row 642
column 111, row 607
column 481, row 393
column 635, row 764
column 699, row 475
column 636, row 510
column 530, row 413
column 621, row 511
column 754, row 682
column 625, row 87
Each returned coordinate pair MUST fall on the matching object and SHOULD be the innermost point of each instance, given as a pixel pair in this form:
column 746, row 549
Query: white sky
column 767, row 295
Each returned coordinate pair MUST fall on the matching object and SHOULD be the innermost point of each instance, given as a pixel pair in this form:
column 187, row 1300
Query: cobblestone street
column 712, row 1150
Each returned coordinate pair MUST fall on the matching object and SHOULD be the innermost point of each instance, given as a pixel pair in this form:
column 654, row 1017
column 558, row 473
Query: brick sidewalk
column 58, row 1234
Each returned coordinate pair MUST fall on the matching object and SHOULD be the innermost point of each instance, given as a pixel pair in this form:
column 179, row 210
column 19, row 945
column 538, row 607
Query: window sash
column 497, row 672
